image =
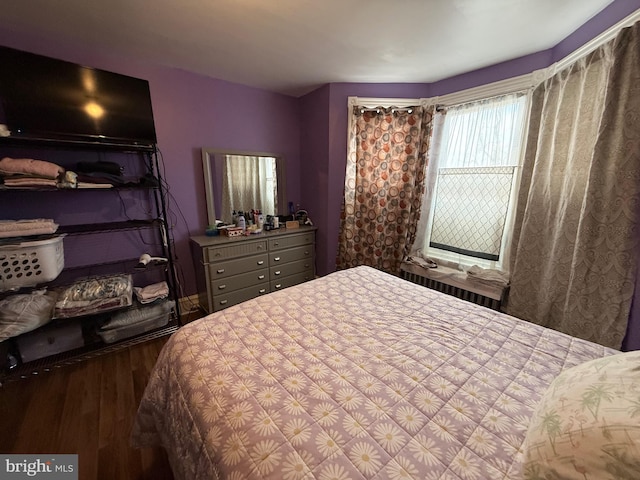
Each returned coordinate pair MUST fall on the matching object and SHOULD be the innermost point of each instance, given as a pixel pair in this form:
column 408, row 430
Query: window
column 475, row 171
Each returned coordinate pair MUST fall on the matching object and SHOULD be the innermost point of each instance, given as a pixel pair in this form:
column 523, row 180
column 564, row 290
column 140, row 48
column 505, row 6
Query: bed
column 358, row 374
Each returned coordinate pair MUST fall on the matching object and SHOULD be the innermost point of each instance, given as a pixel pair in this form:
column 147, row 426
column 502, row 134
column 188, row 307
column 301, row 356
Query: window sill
column 455, row 278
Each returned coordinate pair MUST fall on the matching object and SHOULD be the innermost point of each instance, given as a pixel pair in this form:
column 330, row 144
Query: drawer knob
column 222, row 287
column 275, row 244
column 217, row 254
column 306, row 252
column 260, row 262
column 223, row 302
column 277, row 272
column 259, row 247
column 277, row 259
column 278, row 285
column 261, row 291
column 260, row 277
column 220, row 270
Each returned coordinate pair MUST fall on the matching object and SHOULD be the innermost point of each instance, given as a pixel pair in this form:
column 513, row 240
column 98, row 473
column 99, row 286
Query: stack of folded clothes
column 488, row 276
column 26, row 228
column 30, row 173
column 101, row 174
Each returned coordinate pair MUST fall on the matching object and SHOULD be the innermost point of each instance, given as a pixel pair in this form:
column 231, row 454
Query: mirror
column 241, row 180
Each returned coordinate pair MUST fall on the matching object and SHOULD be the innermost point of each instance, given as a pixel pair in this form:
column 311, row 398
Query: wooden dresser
column 232, row 270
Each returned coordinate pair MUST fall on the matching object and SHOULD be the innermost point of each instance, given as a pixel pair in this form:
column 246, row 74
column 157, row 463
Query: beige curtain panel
column 576, row 238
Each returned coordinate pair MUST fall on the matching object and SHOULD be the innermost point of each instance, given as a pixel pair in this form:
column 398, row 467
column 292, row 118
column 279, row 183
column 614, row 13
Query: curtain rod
column 386, row 109
column 442, row 106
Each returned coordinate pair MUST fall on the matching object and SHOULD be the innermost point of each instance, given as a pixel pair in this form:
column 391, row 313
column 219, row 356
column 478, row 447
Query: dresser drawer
column 291, row 280
column 286, row 269
column 221, row 302
column 291, row 241
column 237, row 266
column 236, row 282
column 290, row 255
column 232, row 270
column 241, row 249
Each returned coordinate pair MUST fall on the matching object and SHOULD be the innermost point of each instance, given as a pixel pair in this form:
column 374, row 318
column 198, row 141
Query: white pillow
column 587, row 424
column 22, row 313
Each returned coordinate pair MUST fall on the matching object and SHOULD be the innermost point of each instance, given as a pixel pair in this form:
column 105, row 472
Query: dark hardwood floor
column 86, row 408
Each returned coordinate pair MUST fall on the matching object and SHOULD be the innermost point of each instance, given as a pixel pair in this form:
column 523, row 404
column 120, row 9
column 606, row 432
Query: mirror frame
column 209, row 181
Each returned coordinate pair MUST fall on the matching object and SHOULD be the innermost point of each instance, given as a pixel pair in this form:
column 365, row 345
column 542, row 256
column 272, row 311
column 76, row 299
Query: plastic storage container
column 50, row 340
column 27, row 264
column 136, row 321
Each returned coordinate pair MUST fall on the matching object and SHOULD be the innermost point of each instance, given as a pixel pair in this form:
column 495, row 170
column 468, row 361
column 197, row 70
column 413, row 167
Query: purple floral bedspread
column 355, row 375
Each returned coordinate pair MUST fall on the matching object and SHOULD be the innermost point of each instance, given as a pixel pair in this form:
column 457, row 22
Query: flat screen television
column 50, row 99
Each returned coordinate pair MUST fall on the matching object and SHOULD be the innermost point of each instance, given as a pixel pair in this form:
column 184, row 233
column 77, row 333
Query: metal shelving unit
column 156, row 223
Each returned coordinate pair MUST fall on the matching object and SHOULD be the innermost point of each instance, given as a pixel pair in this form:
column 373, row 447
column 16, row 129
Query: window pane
column 483, row 134
column 470, row 210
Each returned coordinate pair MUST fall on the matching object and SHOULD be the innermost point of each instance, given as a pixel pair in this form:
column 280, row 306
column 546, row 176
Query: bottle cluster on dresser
column 254, row 220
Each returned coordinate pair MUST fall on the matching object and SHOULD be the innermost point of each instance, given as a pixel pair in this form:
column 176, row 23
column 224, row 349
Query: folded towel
column 23, row 228
column 30, row 166
column 151, row 292
column 93, row 185
column 6, row 225
column 29, row 182
column 488, row 276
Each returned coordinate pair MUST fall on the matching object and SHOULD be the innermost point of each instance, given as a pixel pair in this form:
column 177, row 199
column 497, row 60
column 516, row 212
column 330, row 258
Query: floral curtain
column 576, row 236
column 384, row 184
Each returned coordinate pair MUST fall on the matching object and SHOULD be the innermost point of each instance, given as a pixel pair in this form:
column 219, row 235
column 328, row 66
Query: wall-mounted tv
column 50, row 99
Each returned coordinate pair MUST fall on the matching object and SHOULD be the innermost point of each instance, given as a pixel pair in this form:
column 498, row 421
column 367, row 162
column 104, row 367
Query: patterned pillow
column 587, row 424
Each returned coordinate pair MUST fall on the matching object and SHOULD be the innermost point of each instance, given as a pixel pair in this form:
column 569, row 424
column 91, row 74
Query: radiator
column 451, row 290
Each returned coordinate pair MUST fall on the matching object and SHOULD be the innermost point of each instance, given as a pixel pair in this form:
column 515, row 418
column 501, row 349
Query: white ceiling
column 293, row 46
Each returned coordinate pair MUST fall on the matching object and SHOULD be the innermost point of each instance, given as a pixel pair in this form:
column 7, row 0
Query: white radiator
column 413, row 275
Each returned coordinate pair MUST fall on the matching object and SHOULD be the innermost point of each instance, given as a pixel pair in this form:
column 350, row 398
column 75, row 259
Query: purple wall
column 194, row 112
column 191, row 111
column 315, row 178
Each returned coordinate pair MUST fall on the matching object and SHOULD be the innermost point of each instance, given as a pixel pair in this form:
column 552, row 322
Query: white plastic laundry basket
column 27, row 264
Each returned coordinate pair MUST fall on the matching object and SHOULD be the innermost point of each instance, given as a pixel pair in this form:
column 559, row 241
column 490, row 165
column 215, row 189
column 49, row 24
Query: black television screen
column 46, row 98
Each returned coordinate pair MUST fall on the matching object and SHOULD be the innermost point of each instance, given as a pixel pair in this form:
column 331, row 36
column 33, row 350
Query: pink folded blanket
column 152, row 292
column 41, row 168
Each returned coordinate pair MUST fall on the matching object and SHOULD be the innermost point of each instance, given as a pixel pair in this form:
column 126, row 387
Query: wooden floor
column 88, row 409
